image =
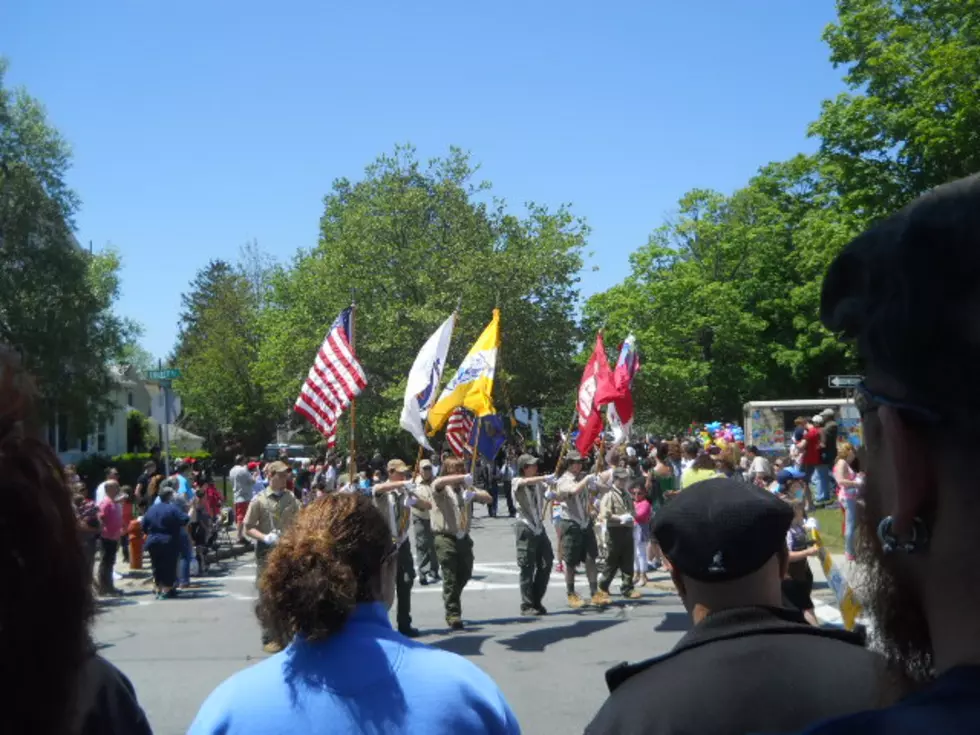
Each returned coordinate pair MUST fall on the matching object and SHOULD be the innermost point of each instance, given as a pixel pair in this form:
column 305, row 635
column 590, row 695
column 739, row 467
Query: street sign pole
column 165, row 384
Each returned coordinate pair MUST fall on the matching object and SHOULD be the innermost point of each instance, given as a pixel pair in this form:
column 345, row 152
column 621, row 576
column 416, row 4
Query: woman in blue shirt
column 327, row 588
column 163, row 524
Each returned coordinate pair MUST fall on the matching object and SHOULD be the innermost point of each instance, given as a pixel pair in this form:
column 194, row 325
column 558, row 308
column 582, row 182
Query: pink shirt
column 111, row 516
column 643, row 511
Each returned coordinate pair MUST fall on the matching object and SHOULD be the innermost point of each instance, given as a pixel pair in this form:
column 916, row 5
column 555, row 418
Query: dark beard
column 891, row 596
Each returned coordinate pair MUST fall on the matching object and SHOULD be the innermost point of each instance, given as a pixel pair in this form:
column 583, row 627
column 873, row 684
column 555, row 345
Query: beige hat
column 396, row 465
column 425, row 464
column 275, row 467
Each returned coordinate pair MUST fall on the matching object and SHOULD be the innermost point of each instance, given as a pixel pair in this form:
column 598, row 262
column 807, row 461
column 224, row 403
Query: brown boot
column 633, row 595
column 575, row 602
column 601, row 599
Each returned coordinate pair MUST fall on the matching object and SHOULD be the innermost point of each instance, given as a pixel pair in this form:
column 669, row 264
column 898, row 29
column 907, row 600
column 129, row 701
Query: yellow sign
column 847, row 601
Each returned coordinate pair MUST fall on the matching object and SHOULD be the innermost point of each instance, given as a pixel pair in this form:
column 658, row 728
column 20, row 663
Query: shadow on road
column 540, row 638
column 463, row 645
column 674, row 623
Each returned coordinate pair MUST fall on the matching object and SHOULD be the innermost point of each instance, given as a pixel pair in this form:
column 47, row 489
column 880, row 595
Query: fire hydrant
column 135, row 544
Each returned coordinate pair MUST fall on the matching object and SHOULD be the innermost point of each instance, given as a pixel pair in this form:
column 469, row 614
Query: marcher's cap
column 817, row 420
column 828, row 413
column 788, row 474
column 396, row 465
column 621, row 473
column 718, row 530
column 526, row 460
column 906, row 292
column 425, row 464
column 572, row 455
column 275, row 468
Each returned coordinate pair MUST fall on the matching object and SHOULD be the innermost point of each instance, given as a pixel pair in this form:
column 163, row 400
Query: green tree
column 415, row 241
column 912, row 120
column 55, row 298
column 217, row 352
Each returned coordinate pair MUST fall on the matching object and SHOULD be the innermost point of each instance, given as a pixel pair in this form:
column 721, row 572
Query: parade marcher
column 328, row 589
column 394, row 499
column 906, row 293
column 535, row 557
column 451, row 498
column 577, row 533
column 425, row 544
column 616, row 514
column 269, row 515
column 748, row 665
column 242, row 485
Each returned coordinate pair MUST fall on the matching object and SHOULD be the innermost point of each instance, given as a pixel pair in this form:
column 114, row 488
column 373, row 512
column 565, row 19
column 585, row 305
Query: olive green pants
column 534, row 558
column 456, row 562
column 619, row 558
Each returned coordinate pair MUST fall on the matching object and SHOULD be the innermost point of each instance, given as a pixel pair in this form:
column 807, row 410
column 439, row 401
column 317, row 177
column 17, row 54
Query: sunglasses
column 867, row 401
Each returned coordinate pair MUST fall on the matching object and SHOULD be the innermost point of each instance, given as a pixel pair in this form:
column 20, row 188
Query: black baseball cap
column 907, row 292
column 720, row 529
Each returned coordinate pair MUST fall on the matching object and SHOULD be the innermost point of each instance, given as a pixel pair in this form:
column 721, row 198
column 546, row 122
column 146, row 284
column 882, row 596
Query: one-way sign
column 844, row 381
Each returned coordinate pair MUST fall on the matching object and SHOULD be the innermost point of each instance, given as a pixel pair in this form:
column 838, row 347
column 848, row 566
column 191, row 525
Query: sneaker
column 528, row 612
column 632, row 595
column 424, row 580
column 271, row 647
column 575, row 602
column 454, row 623
column 540, row 610
column 409, row 632
column 600, row 599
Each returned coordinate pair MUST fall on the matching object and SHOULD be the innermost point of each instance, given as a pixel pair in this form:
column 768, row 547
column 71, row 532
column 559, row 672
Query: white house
column 131, row 393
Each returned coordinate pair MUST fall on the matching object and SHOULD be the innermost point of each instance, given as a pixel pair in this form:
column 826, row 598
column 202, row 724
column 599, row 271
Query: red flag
column 596, row 379
column 619, row 390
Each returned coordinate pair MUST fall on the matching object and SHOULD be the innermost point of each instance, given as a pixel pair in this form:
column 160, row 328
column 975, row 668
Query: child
column 642, row 513
column 799, row 577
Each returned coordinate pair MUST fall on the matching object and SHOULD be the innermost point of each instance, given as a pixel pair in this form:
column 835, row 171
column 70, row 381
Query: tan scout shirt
column 420, row 490
column 615, row 502
column 450, row 514
column 266, row 513
column 530, row 503
column 393, row 509
column 574, row 508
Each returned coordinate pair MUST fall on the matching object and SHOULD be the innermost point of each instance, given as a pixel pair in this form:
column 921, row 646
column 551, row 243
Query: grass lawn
column 829, row 520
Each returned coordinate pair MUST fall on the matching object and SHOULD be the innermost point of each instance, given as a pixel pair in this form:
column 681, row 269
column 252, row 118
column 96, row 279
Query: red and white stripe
column 334, row 380
column 459, row 426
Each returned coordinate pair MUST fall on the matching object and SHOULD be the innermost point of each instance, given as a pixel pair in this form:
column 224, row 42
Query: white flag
column 424, row 379
column 620, row 431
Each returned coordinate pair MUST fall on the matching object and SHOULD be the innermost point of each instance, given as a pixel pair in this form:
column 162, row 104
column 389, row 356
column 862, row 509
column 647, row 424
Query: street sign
column 165, row 374
column 844, row 381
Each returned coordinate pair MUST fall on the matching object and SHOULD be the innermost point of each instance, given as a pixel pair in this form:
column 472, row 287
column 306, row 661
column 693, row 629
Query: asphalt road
column 551, row 669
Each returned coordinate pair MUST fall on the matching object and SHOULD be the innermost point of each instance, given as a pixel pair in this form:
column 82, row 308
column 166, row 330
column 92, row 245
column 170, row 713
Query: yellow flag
column 472, row 385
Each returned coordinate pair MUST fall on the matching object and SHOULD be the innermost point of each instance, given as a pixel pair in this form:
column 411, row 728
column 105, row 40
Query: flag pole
column 352, row 462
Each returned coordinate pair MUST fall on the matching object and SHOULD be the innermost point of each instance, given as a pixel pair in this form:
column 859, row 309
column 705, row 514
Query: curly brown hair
column 327, row 563
column 47, row 604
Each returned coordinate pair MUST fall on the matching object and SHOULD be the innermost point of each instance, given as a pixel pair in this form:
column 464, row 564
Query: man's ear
column 908, row 470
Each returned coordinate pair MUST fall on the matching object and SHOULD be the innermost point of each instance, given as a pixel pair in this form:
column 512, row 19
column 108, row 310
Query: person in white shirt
column 242, row 487
column 532, row 497
column 758, row 465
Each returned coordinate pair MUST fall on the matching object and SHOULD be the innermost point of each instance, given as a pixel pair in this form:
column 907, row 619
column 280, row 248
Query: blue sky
column 198, row 126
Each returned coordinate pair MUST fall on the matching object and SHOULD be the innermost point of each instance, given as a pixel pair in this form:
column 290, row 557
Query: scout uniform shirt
column 615, row 502
column 392, row 507
column 573, row 507
column 530, row 502
column 423, row 491
column 266, row 513
column 449, row 513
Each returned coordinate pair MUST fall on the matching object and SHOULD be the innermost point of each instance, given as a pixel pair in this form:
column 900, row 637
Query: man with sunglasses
column 908, row 293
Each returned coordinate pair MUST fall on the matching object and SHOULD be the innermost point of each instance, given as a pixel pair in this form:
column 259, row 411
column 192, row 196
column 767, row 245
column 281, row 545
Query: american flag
column 458, row 429
column 334, row 380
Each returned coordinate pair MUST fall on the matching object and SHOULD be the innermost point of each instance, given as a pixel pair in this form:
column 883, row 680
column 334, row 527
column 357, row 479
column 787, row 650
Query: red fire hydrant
column 135, row 545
